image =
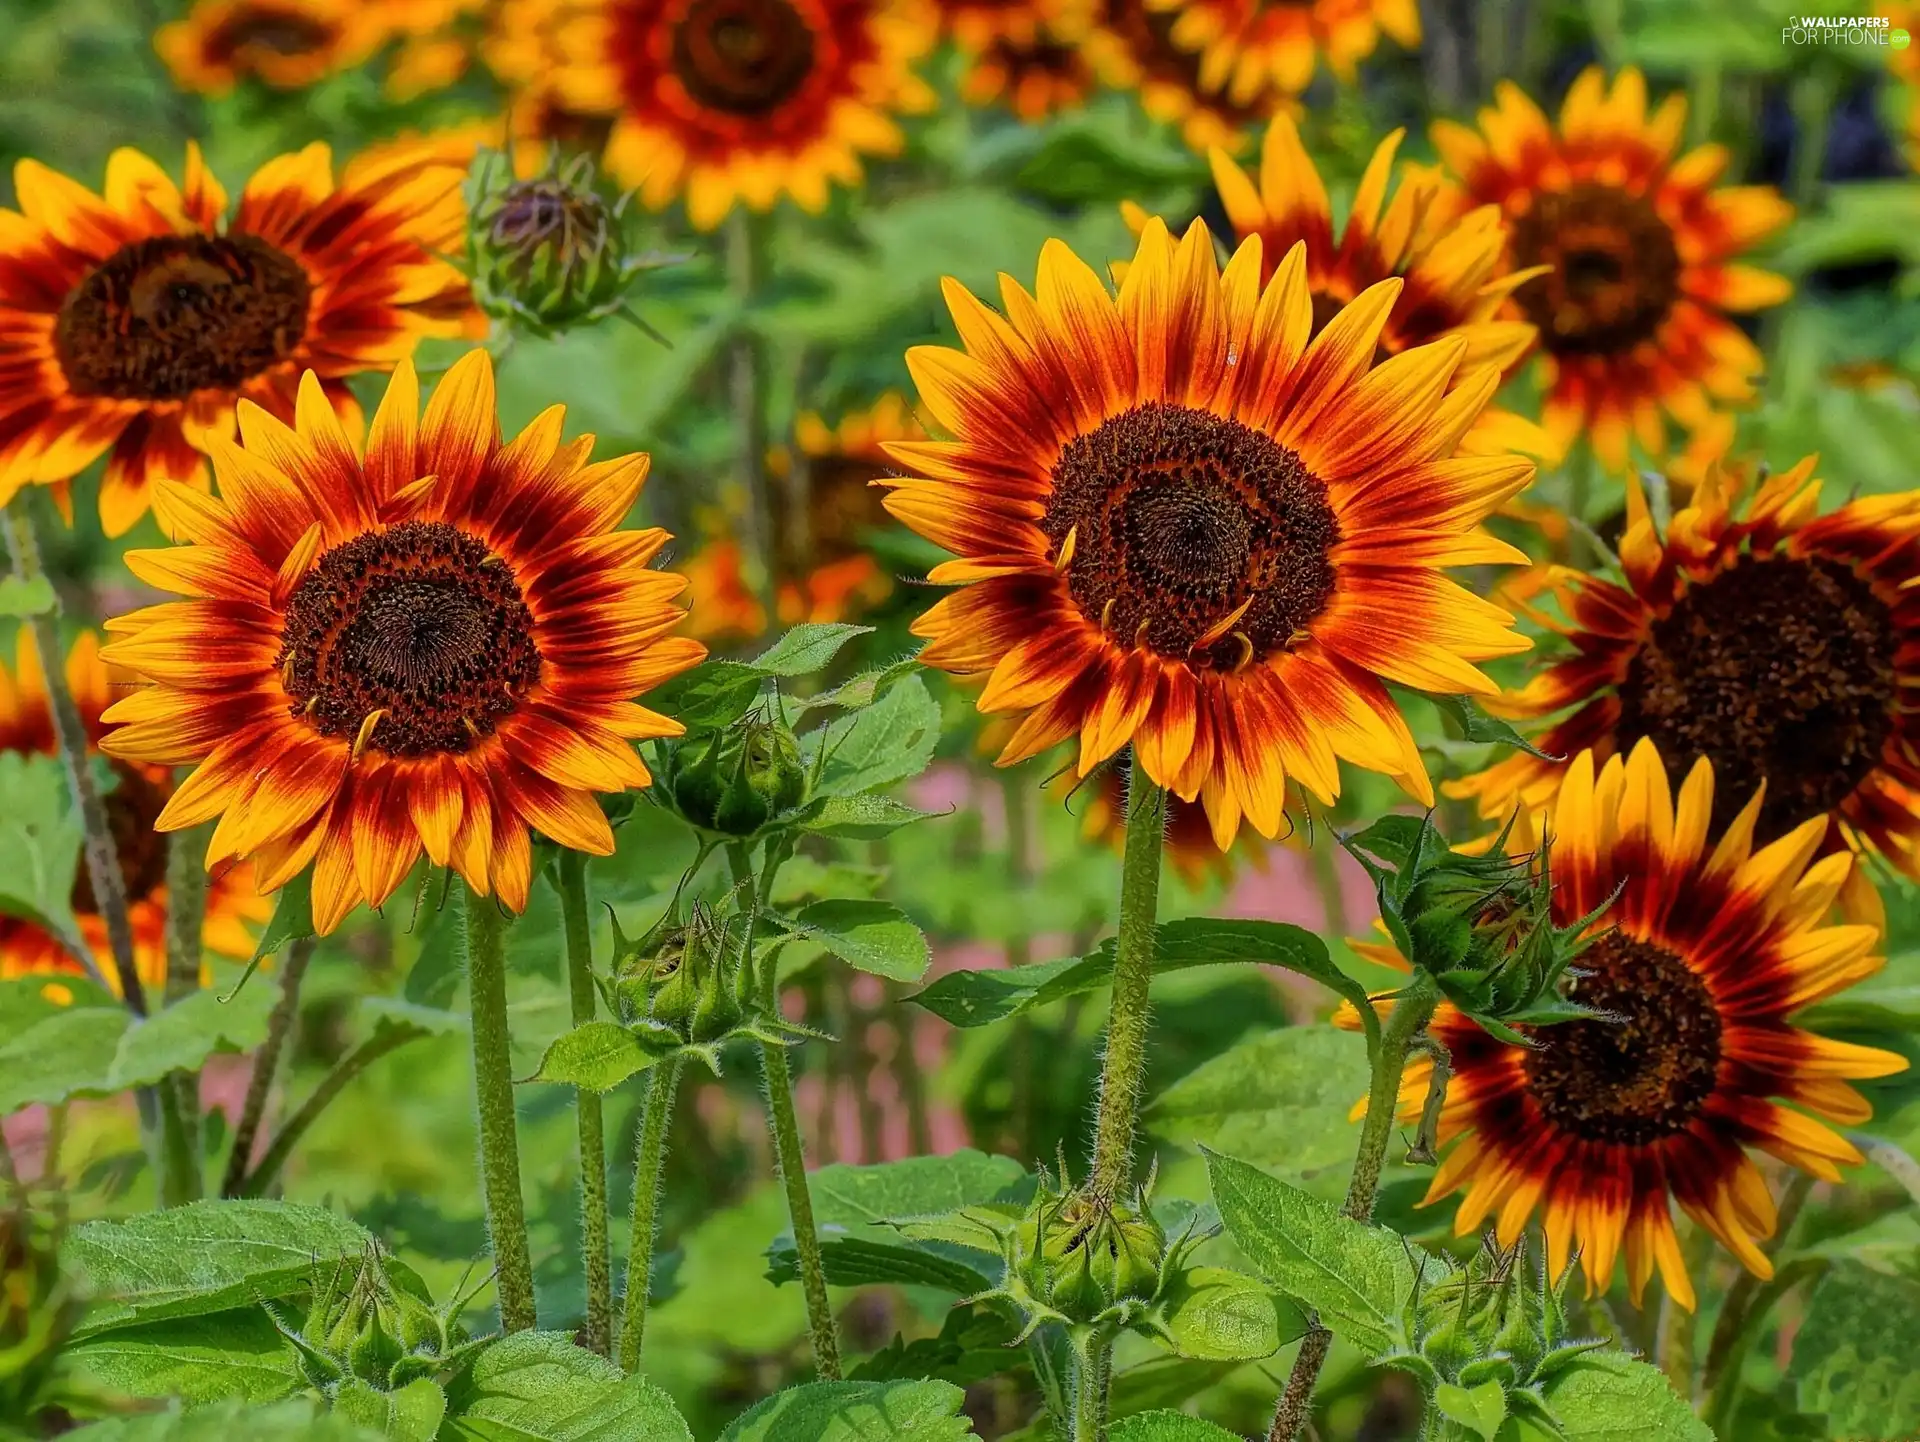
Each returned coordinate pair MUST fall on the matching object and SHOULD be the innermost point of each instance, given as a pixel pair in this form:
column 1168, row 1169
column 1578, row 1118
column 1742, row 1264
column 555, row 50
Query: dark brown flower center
column 1148, row 36
column 1193, row 535
column 746, row 57
column 280, row 32
column 133, row 805
column 173, row 314
column 1616, row 273
column 1640, row 1078
column 1779, row 670
column 421, row 625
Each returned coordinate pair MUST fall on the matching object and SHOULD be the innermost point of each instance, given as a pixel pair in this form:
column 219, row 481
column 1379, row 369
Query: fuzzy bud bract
column 739, row 779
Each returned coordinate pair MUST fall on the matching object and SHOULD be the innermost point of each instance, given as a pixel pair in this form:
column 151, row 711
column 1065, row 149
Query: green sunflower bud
column 738, row 780
column 547, row 253
column 1080, row 1254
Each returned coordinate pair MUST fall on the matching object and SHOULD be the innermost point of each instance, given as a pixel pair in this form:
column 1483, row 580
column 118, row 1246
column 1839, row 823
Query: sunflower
column 1182, row 525
column 1704, row 952
column 288, row 44
column 138, row 795
column 132, row 322
column 434, row 646
column 1131, row 48
column 1451, row 258
column 1032, row 78
column 1642, row 247
column 1778, row 643
column 1248, row 45
column 739, row 101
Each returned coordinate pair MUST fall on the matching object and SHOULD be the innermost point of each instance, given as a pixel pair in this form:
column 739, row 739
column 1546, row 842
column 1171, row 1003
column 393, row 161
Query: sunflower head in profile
column 287, row 44
column 1770, row 639
column 432, row 646
column 1131, row 47
column 1706, row 944
column 1641, row 253
column 731, row 102
column 139, row 794
column 1246, row 46
column 135, row 320
column 1182, row 524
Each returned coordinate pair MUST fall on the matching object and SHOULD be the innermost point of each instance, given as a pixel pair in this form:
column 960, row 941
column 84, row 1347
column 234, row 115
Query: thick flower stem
column 783, row 1124
column 595, row 1259
column 181, row 1179
column 650, row 1156
column 266, row 1062
column 101, row 858
column 493, row 1090
column 1123, row 1070
column 1409, row 1017
column 1092, row 1390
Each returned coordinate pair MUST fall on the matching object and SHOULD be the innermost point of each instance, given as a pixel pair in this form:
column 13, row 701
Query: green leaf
column 411, row 1414
column 598, row 1056
column 859, row 1262
column 919, row 1411
column 1480, row 1409
column 291, row 1421
column 1083, row 164
column 1476, row 725
column 717, row 693
column 39, row 842
column 235, row 1354
column 861, row 690
column 914, row 1187
column 68, row 1053
column 26, row 1001
column 539, row 1387
column 865, row 817
column 872, row 936
column 185, row 1034
column 1611, row 1397
column 806, row 648
column 292, row 918
column 22, row 597
column 1854, row 1355
column 973, row 1345
column 205, row 1257
column 1217, row 1315
column 1279, row 1101
column 879, row 744
column 978, row 998
column 1164, row 1426
column 1357, row 1277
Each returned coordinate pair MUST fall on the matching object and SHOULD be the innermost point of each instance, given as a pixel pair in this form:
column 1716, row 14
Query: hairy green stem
column 783, row 1124
column 1092, row 1390
column 1403, row 1025
column 266, row 1062
column 1123, row 1068
column 493, row 1091
column 100, row 856
column 1017, row 807
column 649, row 1160
column 596, row 1259
column 383, row 1041
column 182, row 1179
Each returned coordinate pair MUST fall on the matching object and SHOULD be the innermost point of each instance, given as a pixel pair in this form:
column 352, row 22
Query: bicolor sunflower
column 131, row 322
column 1708, row 945
column 1182, row 525
column 1131, row 47
column 1641, row 248
column 434, row 646
column 1246, row 46
column 139, row 794
column 1033, row 78
column 1775, row 641
column 1450, row 258
column 738, row 102
column 287, row 44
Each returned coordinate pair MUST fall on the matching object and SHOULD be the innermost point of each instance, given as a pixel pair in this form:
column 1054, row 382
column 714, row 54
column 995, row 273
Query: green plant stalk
column 100, row 857
column 181, row 1180
column 649, row 1160
column 596, row 1259
column 1123, row 1069
column 1017, row 808
column 1740, row 1314
column 1721, row 1412
column 783, row 1124
column 493, row 1091
column 1409, row 1017
column 266, row 1062
column 386, row 1040
column 1092, row 1390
